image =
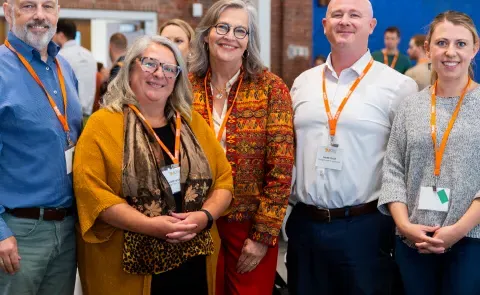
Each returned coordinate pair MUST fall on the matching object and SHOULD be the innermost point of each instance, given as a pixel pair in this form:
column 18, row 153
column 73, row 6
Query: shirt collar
column 28, row 51
column 233, row 80
column 357, row 67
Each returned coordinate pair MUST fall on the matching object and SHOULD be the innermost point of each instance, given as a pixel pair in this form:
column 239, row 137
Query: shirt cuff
column 5, row 232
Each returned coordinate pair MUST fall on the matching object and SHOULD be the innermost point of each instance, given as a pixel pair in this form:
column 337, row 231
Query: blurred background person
column 116, row 50
column 102, row 70
column 101, row 79
column 319, row 60
column 390, row 55
column 421, row 72
column 181, row 33
column 82, row 61
column 250, row 110
column 141, row 233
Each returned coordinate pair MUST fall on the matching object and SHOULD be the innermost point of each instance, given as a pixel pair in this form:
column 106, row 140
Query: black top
column 116, row 68
column 167, row 135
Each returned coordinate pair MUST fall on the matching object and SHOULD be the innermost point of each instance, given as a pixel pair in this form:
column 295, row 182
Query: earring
column 205, row 45
column 245, row 56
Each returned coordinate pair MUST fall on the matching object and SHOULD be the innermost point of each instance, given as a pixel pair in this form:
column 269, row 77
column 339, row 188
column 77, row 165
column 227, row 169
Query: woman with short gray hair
column 149, row 181
column 250, row 111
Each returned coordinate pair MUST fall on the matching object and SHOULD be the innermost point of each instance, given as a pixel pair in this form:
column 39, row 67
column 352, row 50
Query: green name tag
column 442, row 195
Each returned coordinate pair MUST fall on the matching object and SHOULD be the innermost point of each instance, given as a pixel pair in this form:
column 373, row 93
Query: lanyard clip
column 69, row 139
column 332, row 141
column 435, row 185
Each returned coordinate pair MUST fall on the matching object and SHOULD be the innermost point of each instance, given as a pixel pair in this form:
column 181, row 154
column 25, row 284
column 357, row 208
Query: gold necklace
column 219, row 92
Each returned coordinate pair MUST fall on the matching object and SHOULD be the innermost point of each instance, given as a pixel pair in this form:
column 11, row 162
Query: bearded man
column 40, row 121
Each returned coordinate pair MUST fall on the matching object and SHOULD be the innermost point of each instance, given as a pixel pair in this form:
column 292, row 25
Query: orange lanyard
column 160, row 142
column 61, row 118
column 227, row 115
column 438, row 152
column 332, row 121
column 385, row 59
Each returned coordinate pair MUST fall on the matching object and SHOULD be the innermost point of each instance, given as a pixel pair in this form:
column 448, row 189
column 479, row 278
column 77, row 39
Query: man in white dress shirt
column 338, row 242
column 82, row 61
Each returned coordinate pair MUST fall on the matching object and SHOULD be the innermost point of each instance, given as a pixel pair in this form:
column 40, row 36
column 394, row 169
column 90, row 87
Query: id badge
column 69, row 158
column 172, row 174
column 434, row 201
column 329, row 157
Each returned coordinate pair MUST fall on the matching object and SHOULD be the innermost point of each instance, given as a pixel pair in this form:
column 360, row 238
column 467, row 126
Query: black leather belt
column 326, row 215
column 49, row 214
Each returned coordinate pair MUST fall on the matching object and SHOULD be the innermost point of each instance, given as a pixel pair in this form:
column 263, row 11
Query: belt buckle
column 329, row 216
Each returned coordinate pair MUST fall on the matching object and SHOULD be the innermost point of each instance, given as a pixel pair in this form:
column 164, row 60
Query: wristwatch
column 210, row 218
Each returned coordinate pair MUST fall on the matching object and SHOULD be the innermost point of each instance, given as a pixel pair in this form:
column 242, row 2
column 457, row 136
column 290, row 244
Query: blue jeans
column 350, row 256
column 48, row 264
column 453, row 273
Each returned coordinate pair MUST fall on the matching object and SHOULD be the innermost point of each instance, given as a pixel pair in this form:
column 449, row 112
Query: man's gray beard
column 39, row 42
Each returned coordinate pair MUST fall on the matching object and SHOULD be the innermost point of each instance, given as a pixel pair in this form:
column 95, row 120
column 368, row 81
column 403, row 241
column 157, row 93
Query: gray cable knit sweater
column 409, row 159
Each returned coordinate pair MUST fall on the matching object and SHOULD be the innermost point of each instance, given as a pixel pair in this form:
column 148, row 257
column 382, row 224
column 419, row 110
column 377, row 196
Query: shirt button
column 55, row 91
column 48, row 68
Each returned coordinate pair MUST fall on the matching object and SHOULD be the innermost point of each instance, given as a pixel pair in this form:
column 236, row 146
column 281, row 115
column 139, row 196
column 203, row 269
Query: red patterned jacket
column 260, row 149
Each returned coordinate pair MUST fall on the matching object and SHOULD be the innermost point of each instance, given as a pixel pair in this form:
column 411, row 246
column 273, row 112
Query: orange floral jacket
column 260, row 149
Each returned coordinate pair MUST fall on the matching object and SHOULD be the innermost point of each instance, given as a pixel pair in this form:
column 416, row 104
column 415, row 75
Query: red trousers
column 259, row 281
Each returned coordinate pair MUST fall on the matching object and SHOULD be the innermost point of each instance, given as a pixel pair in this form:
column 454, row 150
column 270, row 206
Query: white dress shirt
column 84, row 66
column 218, row 118
column 362, row 131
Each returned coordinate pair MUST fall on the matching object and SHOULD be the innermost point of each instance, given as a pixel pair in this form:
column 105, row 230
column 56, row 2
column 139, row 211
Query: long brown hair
column 459, row 19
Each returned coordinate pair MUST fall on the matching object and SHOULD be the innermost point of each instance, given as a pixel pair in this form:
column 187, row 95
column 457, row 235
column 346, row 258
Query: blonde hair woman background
column 179, row 32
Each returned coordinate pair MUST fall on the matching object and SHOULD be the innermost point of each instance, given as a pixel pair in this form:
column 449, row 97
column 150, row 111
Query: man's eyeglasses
column 151, row 65
column 239, row 32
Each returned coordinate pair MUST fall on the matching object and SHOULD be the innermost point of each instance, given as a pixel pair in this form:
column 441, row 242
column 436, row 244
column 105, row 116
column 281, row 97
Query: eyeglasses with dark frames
column 151, row 65
column 223, row 29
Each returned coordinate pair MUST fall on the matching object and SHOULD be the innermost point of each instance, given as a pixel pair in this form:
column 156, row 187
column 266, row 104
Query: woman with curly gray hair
column 250, row 111
column 149, row 181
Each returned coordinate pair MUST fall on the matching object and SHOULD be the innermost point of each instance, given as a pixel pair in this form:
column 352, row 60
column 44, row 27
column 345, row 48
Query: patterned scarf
column 146, row 189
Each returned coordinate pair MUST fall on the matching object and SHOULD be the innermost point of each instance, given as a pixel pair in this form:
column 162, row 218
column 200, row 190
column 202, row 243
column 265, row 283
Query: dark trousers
column 190, row 278
column 343, row 257
column 453, row 273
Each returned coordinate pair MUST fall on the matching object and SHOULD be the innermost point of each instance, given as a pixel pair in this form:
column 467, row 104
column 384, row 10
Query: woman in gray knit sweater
column 431, row 181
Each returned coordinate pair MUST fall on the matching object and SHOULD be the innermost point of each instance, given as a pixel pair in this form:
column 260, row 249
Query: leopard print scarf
column 146, row 189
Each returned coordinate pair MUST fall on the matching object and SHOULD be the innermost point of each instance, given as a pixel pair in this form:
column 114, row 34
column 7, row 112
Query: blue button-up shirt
column 32, row 139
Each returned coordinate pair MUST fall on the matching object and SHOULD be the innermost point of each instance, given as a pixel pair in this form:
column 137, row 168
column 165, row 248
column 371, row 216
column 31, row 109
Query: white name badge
column 172, row 174
column 434, row 201
column 329, row 157
column 69, row 159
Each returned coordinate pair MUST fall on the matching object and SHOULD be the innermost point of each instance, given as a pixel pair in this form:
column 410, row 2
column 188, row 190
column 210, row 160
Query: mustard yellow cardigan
column 97, row 177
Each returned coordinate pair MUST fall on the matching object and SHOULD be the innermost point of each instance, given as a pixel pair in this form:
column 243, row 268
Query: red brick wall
column 276, row 30
column 166, row 9
column 291, row 25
